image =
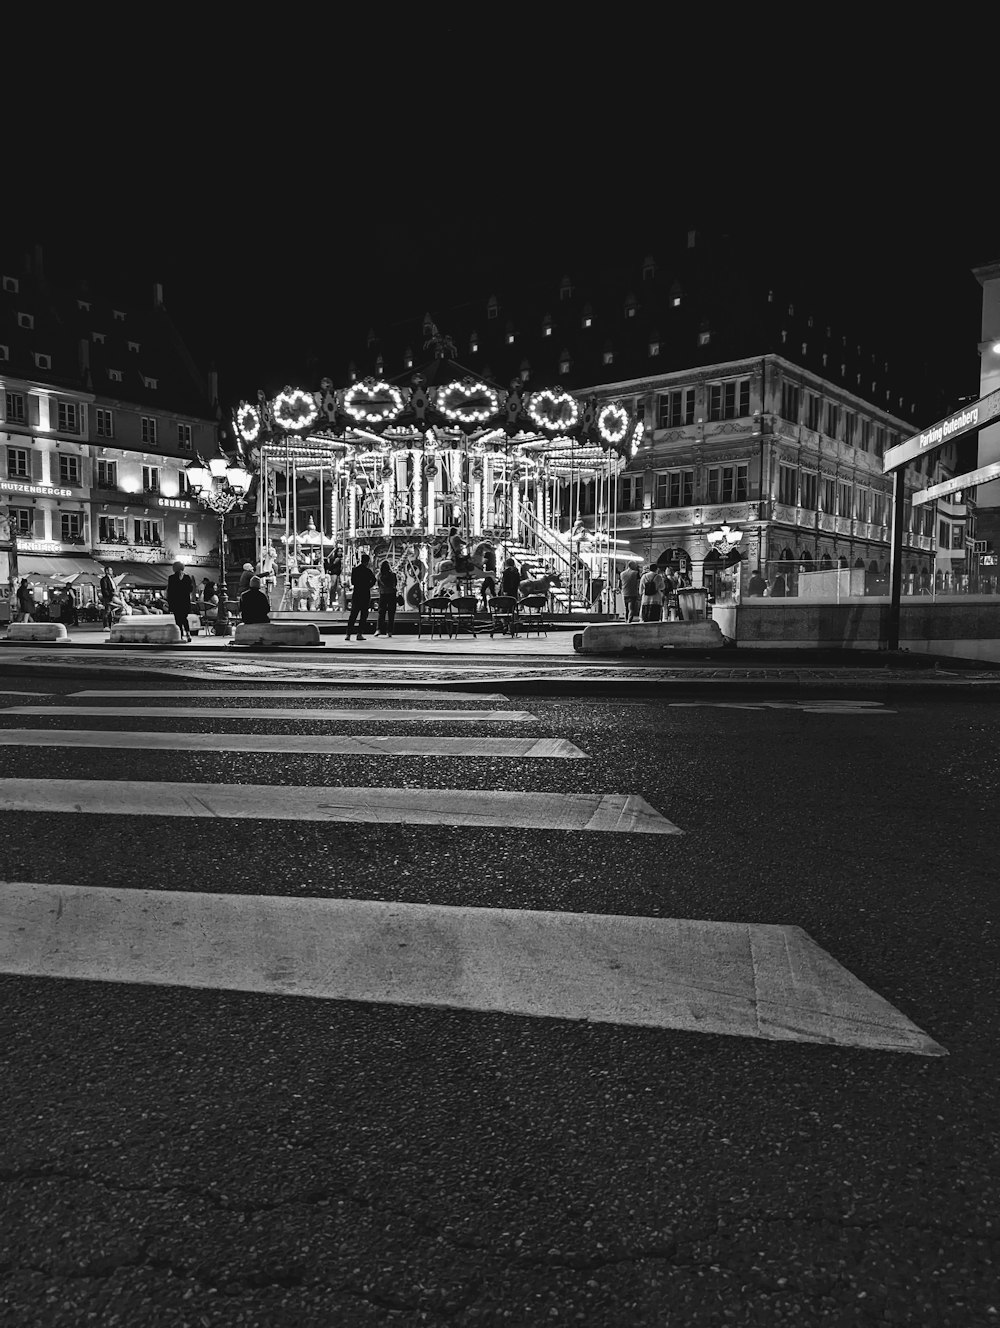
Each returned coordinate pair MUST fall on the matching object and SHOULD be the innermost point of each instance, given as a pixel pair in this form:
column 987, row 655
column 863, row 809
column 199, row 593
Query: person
column 525, row 573
column 362, row 580
column 180, row 588
column 69, row 612
column 510, row 582
column 388, row 589
column 778, row 589
column 487, row 590
column 25, row 601
column 628, row 581
column 255, row 607
column 210, row 600
column 109, row 593
column 651, row 595
column 456, row 546
column 756, row 585
column 245, row 576
column 670, row 605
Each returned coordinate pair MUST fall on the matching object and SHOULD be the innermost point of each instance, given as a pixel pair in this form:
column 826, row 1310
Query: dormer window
column 770, row 297
column 631, row 305
column 42, row 361
column 608, row 356
column 474, row 343
column 784, row 335
column 84, row 305
column 675, row 301
column 11, row 284
column 510, row 334
column 379, row 364
column 408, row 358
column 564, row 362
column 492, row 307
column 704, row 338
column 97, row 338
column 566, row 289
column 654, row 348
column 150, row 382
column 588, row 316
column 525, row 371
column 547, row 326
column 119, row 315
column 115, row 375
column 692, row 239
column 648, row 268
column 134, row 347
column 26, row 320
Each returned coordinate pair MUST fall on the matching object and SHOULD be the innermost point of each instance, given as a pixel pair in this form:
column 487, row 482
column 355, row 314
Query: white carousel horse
column 313, row 586
column 537, row 586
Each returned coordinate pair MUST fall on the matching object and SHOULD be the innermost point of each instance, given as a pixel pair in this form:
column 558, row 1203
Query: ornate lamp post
column 219, row 487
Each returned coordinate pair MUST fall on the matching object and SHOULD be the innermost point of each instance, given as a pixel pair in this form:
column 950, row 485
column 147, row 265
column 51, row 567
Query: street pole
column 896, row 556
column 222, row 627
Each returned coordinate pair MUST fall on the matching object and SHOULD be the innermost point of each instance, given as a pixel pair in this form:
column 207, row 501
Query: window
column 11, row 284
column 111, row 530
column 149, row 430
column 845, row 499
column 42, row 361
column 69, row 468
column 97, row 338
column 115, row 375
column 729, row 400
column 150, row 382
column 878, row 508
column 827, row 495
column 119, row 315
column 546, row 327
column 654, row 348
column 151, row 479
column 183, row 483
column 147, row 532
column 790, row 400
column 17, row 463
column 566, row 289
column 675, row 488
column 134, row 347
column 865, row 437
column 810, row 489
column 787, row 487
column 186, row 534
column 879, row 440
column 71, row 524
column 727, row 484
column 676, row 408
column 832, row 419
column 107, row 474
column 26, row 321
column 958, row 537
column 564, row 366
column 23, row 520
column 631, row 494
column 15, row 408
column 928, row 525
column 69, row 417
column 813, row 404
column 474, row 343
column 104, row 422
column 944, row 531
column 83, row 305
column 4, row 352
column 609, row 357
column 492, row 307
column 850, row 426
column 184, row 435
column 704, row 338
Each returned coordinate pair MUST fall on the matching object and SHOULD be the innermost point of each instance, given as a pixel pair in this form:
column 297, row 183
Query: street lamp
column 219, row 487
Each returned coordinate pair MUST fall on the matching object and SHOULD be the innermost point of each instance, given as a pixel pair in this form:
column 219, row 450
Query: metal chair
column 533, row 615
column 463, row 615
column 435, row 613
column 503, row 615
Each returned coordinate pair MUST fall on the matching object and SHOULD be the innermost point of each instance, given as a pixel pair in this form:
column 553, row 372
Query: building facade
column 101, row 409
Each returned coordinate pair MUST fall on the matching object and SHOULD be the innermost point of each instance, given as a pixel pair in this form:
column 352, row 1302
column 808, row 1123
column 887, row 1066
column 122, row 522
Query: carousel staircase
column 562, row 601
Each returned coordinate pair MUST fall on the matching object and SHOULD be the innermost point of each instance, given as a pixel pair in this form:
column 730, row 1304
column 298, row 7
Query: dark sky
column 290, row 189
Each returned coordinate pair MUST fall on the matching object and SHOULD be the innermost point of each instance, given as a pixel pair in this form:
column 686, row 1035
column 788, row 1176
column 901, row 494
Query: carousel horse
column 413, row 571
column 313, row 586
column 537, row 586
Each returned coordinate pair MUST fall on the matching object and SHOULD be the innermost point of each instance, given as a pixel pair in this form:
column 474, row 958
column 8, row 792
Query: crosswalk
column 763, row 981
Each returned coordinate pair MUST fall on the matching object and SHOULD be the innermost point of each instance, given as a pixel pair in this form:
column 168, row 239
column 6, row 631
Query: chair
column 463, row 615
column 533, row 615
column 503, row 615
column 435, row 613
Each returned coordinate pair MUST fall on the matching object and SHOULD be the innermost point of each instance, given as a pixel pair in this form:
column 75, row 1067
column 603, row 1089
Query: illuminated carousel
column 443, row 475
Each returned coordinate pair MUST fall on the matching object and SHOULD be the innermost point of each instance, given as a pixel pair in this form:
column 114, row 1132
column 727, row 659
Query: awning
column 143, row 576
column 30, row 565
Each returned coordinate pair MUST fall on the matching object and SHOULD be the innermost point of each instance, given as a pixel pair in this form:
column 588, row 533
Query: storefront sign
column 38, row 546
column 988, row 560
column 173, row 502
column 12, row 486
column 966, row 481
column 962, row 422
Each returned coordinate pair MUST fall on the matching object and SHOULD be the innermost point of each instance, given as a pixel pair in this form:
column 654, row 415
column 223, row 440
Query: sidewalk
column 523, row 666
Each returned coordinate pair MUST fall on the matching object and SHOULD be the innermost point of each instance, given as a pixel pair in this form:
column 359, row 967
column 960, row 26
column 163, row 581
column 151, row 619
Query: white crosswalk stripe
column 339, row 716
column 338, row 692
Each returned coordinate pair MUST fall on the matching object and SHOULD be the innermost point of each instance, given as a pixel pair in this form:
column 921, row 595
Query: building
column 760, row 414
column 102, row 408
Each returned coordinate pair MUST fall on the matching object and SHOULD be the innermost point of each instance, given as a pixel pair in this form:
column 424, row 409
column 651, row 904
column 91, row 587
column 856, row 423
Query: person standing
column 25, row 601
column 756, row 585
column 362, row 580
column 109, row 593
column 387, row 592
column 628, row 580
column 180, row 588
column 651, row 595
column 335, row 567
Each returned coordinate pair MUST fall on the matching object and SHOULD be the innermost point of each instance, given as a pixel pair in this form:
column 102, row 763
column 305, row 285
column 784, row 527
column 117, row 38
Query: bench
column 32, row 631
column 277, row 634
column 145, row 629
column 615, row 638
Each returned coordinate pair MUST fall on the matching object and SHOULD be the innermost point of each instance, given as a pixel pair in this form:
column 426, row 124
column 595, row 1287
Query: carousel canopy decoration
column 373, row 402
column 295, row 410
column 248, row 422
column 556, row 411
column 613, row 422
column 468, row 402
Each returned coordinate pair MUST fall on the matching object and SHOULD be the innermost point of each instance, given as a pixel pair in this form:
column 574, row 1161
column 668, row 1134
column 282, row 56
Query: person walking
column 255, row 607
column 108, row 591
column 510, row 582
column 628, row 581
column 651, row 595
column 362, row 580
column 25, row 601
column 180, row 588
column 388, row 589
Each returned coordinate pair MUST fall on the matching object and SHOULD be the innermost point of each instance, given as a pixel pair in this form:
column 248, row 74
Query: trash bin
column 693, row 603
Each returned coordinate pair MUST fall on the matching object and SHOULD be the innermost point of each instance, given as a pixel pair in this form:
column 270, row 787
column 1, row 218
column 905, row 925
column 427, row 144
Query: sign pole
column 896, row 555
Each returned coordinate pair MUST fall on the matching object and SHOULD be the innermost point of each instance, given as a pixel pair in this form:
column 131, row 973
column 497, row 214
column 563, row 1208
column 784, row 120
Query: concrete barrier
column 37, row 631
column 277, row 634
column 146, row 629
column 614, row 638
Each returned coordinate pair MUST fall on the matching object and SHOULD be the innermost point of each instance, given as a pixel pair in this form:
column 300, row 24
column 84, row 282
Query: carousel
column 444, row 476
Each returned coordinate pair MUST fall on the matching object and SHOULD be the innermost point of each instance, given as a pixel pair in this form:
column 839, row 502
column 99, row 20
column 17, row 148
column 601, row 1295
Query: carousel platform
column 335, row 620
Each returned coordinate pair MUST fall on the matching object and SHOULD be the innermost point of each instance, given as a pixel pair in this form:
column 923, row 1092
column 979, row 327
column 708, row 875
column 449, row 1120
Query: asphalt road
column 172, row 1156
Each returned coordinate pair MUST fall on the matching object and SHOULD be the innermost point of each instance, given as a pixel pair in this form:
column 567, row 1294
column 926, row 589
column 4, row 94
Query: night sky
column 291, row 192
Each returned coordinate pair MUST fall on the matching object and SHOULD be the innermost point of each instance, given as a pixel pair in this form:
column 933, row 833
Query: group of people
column 647, row 594
column 363, row 580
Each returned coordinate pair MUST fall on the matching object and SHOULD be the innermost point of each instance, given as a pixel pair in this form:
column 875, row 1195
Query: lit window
column 676, row 302
column 69, row 420
column 704, row 338
column 184, row 437
column 587, row 322
column 564, row 366
column 510, row 338
column 654, row 348
column 69, row 468
column 609, row 357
